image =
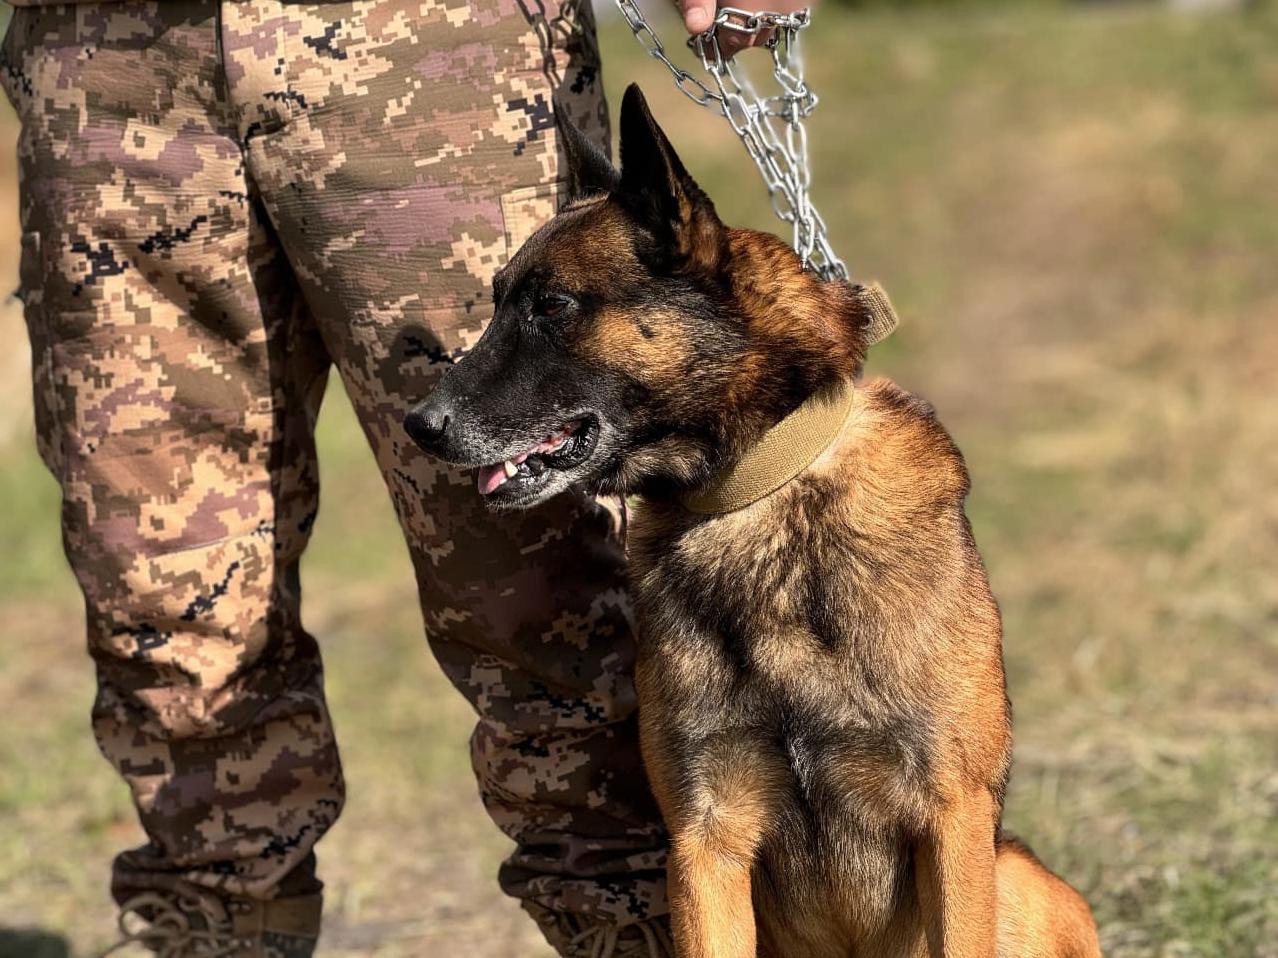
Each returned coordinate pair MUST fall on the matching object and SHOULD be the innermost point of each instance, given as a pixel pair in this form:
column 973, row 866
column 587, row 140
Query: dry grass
column 1077, row 214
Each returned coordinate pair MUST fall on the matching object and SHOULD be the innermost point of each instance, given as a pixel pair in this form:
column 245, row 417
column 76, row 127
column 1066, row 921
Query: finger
column 697, row 14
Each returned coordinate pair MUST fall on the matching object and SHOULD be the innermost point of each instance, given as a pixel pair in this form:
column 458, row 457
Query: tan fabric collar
column 796, row 441
column 785, row 450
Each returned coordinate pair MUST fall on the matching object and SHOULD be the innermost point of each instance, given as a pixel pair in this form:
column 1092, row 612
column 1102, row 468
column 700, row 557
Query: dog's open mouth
column 568, row 446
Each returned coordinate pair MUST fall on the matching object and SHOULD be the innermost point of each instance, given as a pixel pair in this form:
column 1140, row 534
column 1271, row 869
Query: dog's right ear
column 589, row 169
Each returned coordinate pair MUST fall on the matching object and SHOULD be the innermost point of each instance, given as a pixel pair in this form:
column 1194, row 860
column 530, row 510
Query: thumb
column 697, row 14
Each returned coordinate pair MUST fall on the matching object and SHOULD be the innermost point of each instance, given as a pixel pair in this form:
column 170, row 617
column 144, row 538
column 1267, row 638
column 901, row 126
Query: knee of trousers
column 199, row 642
column 210, row 703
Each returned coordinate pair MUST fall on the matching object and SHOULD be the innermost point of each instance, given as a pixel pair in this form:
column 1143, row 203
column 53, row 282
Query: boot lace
column 646, row 939
column 167, row 928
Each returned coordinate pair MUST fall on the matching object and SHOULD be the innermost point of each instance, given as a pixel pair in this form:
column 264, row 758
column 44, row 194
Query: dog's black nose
column 427, row 425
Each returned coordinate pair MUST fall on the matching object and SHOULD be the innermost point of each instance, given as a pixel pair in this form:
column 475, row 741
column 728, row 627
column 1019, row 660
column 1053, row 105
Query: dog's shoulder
column 895, row 447
column 891, row 495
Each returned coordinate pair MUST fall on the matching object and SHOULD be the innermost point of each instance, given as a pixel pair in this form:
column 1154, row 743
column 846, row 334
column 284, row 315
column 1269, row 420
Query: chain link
column 771, row 127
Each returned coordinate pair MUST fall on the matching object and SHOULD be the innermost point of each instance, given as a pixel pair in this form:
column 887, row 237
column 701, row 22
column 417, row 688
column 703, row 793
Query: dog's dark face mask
column 636, row 342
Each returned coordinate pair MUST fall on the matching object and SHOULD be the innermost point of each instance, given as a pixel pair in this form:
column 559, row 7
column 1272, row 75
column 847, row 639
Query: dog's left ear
column 659, row 192
column 588, row 167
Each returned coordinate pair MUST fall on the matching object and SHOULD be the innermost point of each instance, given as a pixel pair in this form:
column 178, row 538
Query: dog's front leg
column 954, row 869
column 717, row 799
column 711, row 911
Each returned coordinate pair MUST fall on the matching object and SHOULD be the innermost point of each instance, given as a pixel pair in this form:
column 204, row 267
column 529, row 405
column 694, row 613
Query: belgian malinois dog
column 820, row 674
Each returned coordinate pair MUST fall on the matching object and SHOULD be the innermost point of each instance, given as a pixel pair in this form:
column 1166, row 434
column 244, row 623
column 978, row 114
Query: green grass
column 29, row 528
column 1076, row 212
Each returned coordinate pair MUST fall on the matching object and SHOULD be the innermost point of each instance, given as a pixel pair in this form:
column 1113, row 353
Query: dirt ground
column 1077, row 215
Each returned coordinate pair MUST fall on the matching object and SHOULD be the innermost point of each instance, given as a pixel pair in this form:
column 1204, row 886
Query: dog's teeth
column 511, row 469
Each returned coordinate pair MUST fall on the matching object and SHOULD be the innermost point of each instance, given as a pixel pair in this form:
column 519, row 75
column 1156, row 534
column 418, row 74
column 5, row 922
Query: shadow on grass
column 32, row 943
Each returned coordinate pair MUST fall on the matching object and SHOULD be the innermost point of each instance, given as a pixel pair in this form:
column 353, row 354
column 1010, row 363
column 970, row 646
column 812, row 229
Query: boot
column 576, row 937
column 645, row 939
column 199, row 924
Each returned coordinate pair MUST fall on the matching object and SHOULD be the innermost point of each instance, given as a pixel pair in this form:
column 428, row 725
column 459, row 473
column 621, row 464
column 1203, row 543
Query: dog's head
column 637, row 343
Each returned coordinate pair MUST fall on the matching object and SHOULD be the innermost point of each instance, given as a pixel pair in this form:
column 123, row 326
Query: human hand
column 699, row 14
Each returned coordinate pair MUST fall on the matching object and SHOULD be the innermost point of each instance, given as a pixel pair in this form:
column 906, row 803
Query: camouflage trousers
column 220, row 201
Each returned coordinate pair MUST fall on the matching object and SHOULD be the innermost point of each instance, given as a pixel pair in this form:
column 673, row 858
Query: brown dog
column 820, row 672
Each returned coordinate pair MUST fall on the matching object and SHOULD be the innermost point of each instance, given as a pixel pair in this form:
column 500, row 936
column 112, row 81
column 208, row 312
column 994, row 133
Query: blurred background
column 1075, row 208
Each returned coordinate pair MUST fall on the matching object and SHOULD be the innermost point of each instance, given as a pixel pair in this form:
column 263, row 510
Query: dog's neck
column 804, row 340
column 781, row 454
column 807, row 341
column 801, row 336
column 788, row 448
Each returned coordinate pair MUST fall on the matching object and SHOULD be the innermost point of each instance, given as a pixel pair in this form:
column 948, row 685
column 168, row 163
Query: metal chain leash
column 771, row 127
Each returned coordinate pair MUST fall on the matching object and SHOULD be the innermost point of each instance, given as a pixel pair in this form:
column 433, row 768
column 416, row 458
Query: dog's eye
column 550, row 307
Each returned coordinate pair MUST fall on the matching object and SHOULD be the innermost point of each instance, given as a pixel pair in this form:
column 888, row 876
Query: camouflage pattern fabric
column 219, row 201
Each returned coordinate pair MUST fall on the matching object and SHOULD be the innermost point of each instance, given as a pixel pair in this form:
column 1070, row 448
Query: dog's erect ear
column 589, row 169
column 658, row 190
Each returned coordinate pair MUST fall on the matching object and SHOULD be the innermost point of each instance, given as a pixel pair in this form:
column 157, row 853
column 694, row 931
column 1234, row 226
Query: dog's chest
column 774, row 635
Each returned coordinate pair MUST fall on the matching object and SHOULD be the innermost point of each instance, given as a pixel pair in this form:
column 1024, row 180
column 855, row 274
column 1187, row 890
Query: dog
column 822, row 705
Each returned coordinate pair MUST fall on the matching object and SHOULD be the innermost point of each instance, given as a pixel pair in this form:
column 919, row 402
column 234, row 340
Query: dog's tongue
column 490, row 477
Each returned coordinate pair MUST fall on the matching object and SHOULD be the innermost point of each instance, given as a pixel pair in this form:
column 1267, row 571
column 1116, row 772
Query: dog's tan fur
column 889, row 843
column 913, row 818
